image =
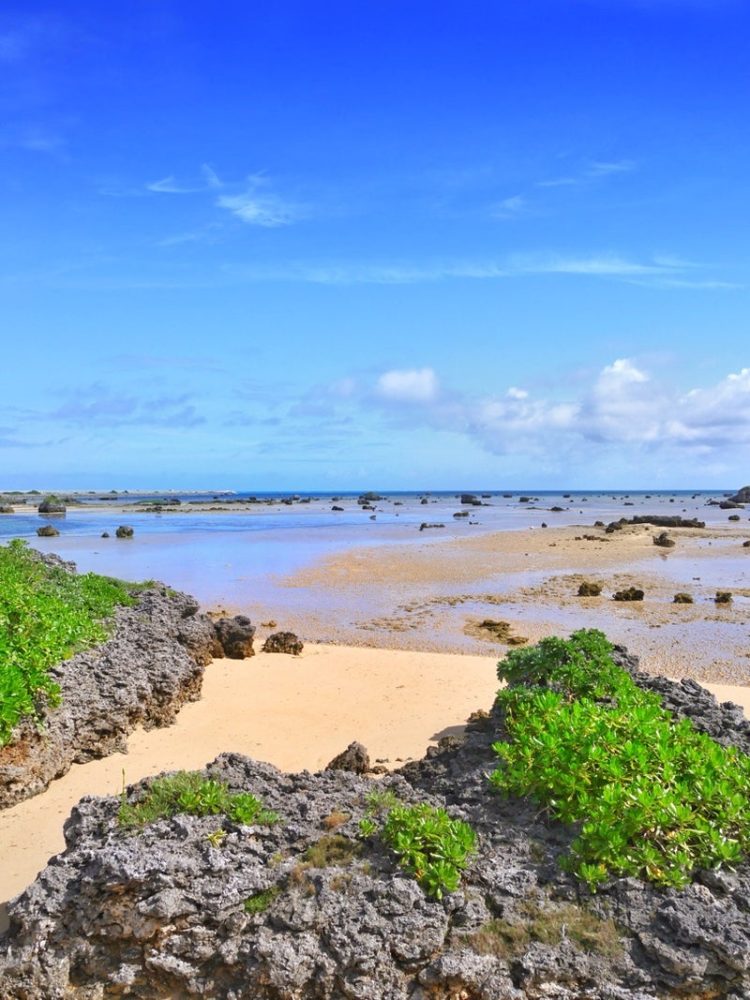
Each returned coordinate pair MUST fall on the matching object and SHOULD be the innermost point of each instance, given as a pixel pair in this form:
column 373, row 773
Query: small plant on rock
column 430, row 845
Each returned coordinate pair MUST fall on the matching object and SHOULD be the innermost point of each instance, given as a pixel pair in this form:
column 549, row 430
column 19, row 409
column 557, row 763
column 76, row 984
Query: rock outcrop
column 206, row 907
column 355, row 758
column 142, row 675
column 741, row 496
column 235, row 636
column 283, row 642
column 660, row 520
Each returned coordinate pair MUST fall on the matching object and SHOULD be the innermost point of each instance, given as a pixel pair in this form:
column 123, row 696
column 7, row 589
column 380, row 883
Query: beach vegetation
column 191, row 793
column 260, row 901
column 430, row 845
column 46, row 615
column 652, row 797
column 509, row 939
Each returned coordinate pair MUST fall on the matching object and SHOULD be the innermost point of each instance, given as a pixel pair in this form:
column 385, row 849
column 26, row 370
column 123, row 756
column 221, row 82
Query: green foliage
column 189, row 792
column 46, row 615
column 260, row 902
column 430, row 845
column 655, row 798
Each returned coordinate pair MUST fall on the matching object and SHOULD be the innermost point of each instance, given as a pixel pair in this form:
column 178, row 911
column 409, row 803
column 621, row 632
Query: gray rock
column 142, row 675
column 124, row 531
column 159, row 912
column 47, row 531
column 235, row 636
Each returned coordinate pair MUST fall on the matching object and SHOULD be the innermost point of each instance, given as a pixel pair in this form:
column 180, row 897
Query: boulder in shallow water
column 741, row 496
column 235, row 636
column 124, row 531
column 51, row 505
column 283, row 642
column 47, row 531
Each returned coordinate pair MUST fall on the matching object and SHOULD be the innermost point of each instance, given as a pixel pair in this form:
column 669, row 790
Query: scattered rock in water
column 471, row 499
column 461, row 513
column 557, row 510
column 6, row 509
column 52, row 505
column 664, row 541
column 730, row 505
column 628, row 594
column 733, row 517
column 683, row 598
column 429, row 524
column 105, row 534
column 723, row 597
column 355, row 759
column 335, row 507
column 283, row 642
column 235, row 636
column 47, row 531
column 124, row 531
column 589, row 589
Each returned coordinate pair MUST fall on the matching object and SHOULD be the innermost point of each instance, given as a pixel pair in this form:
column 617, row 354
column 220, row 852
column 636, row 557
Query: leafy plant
column 46, row 615
column 260, row 902
column 189, row 792
column 430, row 845
column 655, row 798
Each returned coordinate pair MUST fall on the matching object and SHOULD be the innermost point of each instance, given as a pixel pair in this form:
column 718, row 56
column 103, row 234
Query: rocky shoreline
column 164, row 912
column 150, row 666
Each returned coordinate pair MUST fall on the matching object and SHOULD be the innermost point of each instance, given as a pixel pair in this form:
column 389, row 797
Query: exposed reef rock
column 741, row 496
column 283, row 642
column 236, row 636
column 660, row 520
column 355, row 758
column 205, row 907
column 142, row 675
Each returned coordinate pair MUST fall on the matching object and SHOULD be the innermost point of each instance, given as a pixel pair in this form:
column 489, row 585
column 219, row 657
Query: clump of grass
column 511, row 939
column 260, row 901
column 331, row 850
column 46, row 615
column 335, row 819
column 655, row 798
column 191, row 793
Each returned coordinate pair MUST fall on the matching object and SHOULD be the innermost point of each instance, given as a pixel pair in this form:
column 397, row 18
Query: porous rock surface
column 160, row 912
column 141, row 676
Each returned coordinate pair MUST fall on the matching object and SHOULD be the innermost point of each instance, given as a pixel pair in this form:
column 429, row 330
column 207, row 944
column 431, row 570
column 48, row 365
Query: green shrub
column 46, row 615
column 655, row 798
column 260, row 902
column 430, row 845
column 191, row 793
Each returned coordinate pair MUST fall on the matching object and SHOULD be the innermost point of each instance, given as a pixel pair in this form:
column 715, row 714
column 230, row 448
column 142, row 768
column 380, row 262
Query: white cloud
column 168, row 185
column 509, row 208
column 621, row 406
column 414, row 385
column 267, row 211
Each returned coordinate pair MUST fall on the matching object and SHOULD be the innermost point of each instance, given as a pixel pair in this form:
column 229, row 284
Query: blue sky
column 384, row 244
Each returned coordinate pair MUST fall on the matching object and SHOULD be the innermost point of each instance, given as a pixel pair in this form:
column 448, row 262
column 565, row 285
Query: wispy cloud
column 509, row 208
column 168, row 185
column 592, row 171
column 97, row 406
column 658, row 271
column 258, row 206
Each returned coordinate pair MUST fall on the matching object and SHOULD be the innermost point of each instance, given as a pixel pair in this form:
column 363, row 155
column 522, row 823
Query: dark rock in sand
column 733, row 517
column 589, row 589
column 427, row 524
column 355, row 759
column 47, row 531
column 660, row 520
column 683, row 598
column 629, row 594
column 235, row 636
column 283, row 642
column 663, row 540
column 124, row 531
column 723, row 597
